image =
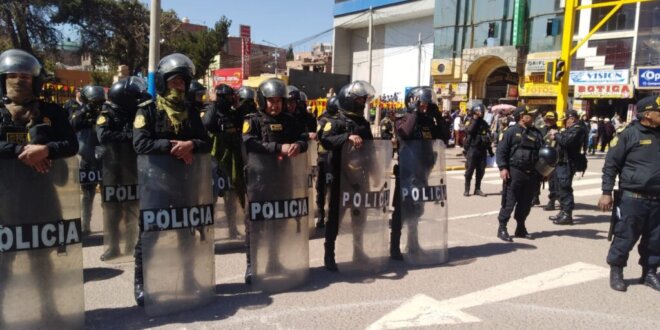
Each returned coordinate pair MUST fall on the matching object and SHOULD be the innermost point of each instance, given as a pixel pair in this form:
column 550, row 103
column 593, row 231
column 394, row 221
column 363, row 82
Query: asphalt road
column 558, row 280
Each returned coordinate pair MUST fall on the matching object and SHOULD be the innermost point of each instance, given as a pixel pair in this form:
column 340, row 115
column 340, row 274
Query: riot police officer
column 323, row 162
column 634, row 156
column 349, row 127
column 417, row 124
column 223, row 122
column 550, row 123
column 387, row 126
column 114, row 128
column 477, row 144
column 74, row 104
column 271, row 131
column 569, row 143
column 168, row 126
column 83, row 122
column 517, row 154
column 35, row 135
column 197, row 96
column 296, row 105
column 246, row 100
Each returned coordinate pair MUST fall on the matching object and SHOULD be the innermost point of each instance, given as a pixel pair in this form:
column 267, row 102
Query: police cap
column 550, row 115
column 649, row 103
column 572, row 113
column 523, row 110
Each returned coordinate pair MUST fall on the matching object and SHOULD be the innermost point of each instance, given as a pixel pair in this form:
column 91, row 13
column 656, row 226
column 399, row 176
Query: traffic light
column 560, row 69
column 550, row 71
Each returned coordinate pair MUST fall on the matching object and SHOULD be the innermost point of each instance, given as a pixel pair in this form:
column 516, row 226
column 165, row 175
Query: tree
column 289, row 54
column 200, row 46
column 27, row 25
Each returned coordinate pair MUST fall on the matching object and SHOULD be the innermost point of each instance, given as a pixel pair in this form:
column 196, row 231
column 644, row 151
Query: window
column 623, row 19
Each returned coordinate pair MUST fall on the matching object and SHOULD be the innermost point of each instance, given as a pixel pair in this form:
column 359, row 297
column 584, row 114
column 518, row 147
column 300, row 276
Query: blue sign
column 649, row 77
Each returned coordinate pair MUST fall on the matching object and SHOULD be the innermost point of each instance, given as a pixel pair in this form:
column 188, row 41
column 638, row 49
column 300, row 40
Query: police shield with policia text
column 119, row 191
column 420, row 185
column 41, row 277
column 278, row 205
column 174, row 256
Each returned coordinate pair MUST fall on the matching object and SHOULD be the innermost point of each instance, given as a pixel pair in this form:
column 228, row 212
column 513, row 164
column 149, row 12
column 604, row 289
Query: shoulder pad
column 145, row 103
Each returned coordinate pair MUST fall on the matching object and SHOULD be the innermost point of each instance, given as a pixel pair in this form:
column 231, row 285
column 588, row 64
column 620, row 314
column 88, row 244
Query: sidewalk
column 454, row 160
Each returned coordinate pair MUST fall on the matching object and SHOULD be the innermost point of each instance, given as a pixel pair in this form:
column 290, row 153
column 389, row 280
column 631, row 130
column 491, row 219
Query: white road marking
column 476, row 215
column 422, row 310
column 588, row 192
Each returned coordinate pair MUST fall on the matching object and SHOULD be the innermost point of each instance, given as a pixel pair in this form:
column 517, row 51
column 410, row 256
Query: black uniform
column 305, row 120
column 71, row 106
column 224, row 125
column 50, row 128
column 386, row 129
column 114, row 128
column 83, row 122
column 324, row 178
column 152, row 132
column 412, row 126
column 478, row 144
column 634, row 156
column 333, row 136
column 569, row 143
column 552, row 186
column 518, row 151
column 265, row 134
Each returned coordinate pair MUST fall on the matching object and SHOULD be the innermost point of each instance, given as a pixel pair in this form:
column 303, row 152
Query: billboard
column 230, row 76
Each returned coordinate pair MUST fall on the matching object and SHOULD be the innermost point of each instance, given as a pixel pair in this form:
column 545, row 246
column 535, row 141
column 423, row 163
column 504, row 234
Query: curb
column 455, row 168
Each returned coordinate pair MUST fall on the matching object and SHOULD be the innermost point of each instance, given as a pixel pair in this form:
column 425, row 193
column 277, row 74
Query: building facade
column 401, row 42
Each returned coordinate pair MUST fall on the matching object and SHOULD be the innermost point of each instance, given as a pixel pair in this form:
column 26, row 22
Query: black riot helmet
column 224, row 92
column 246, row 93
column 350, row 93
column 171, row 65
column 272, row 87
column 92, row 95
column 293, row 92
column 411, row 98
column 426, row 94
column 127, row 93
column 478, row 108
column 332, row 107
column 196, row 92
column 19, row 61
column 303, row 98
column 548, row 158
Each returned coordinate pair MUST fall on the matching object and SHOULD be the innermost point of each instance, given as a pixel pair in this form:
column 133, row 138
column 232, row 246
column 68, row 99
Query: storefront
column 608, row 92
column 533, row 89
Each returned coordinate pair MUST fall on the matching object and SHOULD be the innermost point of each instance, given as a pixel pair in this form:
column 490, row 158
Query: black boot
column 558, row 216
column 478, row 192
column 521, row 232
column 503, row 234
column 466, row 193
column 650, row 278
column 110, row 254
column 616, row 279
column 395, row 246
column 565, row 219
column 138, row 290
column 248, row 274
column 329, row 257
column 550, row 206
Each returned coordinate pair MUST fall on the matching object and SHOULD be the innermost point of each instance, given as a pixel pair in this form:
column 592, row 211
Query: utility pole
column 419, row 60
column 154, row 45
column 370, row 41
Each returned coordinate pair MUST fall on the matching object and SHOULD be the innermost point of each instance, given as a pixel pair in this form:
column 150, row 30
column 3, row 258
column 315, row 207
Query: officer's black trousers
column 87, row 202
column 476, row 161
column 358, row 218
column 322, row 181
column 412, row 211
column 638, row 217
column 564, row 182
column 113, row 215
column 552, row 187
column 518, row 193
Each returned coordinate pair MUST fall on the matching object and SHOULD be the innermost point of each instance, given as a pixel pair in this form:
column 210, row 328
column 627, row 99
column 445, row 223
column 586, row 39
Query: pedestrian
column 517, row 154
column 634, row 157
column 593, row 135
column 608, row 134
column 569, row 144
column 477, row 145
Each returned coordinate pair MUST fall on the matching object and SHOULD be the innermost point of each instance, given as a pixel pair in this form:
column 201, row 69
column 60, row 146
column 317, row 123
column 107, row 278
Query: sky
column 281, row 22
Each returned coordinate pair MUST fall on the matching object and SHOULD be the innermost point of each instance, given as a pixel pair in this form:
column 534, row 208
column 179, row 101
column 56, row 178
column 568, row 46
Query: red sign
column 246, row 49
column 230, row 76
column 617, row 91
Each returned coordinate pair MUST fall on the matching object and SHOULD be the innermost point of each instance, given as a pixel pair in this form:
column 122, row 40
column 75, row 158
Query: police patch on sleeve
column 246, row 126
column 101, row 120
column 614, row 142
column 139, row 121
column 327, row 127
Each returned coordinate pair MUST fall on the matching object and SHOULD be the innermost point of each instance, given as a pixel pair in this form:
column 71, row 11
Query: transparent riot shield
column 41, row 272
column 229, row 212
column 119, row 194
column 90, row 175
column 423, row 201
column 312, row 179
column 365, row 190
column 278, row 215
column 176, row 223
